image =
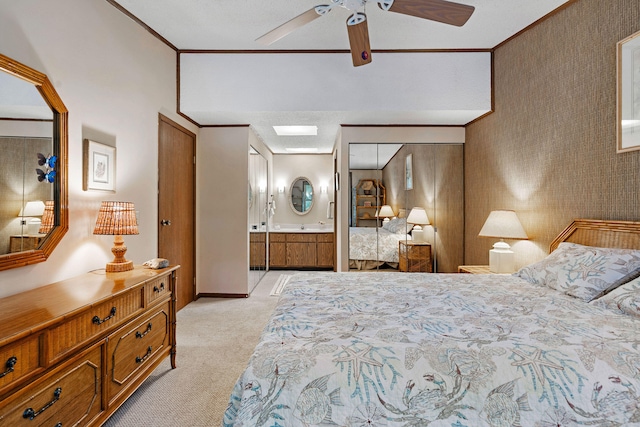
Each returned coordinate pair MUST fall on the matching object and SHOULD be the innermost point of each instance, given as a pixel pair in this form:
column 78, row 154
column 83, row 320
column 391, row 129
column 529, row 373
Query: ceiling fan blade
column 359, row 39
column 292, row 25
column 436, row 10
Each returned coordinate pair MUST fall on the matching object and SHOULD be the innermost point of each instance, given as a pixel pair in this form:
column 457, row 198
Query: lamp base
column 118, row 267
column 119, row 262
column 501, row 259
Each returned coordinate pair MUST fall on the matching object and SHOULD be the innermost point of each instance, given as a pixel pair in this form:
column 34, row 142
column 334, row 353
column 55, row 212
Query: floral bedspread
column 375, row 244
column 454, row 350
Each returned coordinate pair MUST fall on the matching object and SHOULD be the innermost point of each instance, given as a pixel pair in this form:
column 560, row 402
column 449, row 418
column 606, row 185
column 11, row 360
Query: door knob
column 165, row 222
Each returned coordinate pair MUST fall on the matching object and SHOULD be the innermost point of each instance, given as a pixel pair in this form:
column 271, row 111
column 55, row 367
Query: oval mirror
column 301, row 195
column 33, row 140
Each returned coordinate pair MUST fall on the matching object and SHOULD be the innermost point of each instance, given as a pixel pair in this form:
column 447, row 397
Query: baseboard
column 216, row 295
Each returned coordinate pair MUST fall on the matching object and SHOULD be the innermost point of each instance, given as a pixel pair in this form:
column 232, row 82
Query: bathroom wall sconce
column 281, row 188
column 323, row 188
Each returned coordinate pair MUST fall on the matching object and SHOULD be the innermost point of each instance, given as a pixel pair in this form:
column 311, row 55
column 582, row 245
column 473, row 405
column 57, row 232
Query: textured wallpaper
column 549, row 149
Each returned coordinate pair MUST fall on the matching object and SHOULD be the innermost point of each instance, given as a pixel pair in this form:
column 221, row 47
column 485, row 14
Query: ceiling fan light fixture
column 296, row 130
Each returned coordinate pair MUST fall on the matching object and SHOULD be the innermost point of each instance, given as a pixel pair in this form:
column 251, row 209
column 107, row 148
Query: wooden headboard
column 599, row 233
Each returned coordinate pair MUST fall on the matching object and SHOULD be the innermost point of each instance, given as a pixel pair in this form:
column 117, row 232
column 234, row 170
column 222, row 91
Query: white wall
column 380, row 135
column 114, row 78
column 319, row 169
column 222, row 206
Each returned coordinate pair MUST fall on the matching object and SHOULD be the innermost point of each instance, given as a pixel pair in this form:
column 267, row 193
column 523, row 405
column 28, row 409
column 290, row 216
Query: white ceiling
column 235, row 24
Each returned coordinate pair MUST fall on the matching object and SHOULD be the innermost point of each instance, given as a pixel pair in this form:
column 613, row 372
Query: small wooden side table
column 415, row 257
column 21, row 243
column 474, row 269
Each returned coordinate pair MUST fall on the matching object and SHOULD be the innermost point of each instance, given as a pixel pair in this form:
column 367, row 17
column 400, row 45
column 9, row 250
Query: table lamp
column 418, row 217
column 117, row 219
column 503, row 224
column 48, row 217
column 385, row 212
column 32, row 209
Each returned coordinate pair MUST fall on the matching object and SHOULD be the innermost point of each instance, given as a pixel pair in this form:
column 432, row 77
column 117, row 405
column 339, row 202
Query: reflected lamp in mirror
column 48, row 217
column 117, row 219
column 502, row 224
column 418, row 217
column 385, row 212
column 29, row 214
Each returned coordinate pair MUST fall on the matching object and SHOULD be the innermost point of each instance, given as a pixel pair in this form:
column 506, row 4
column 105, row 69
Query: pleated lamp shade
column 117, row 219
column 48, row 217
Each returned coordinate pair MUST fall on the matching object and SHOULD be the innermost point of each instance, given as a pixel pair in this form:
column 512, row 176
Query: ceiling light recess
column 302, row 150
column 296, row 130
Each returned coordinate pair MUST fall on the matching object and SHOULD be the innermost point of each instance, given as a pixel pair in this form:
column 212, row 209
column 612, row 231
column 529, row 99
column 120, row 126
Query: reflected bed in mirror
column 33, row 140
column 301, row 195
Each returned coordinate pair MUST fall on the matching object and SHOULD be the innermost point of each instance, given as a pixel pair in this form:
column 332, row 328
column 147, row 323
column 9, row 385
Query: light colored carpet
column 215, row 338
column 280, row 284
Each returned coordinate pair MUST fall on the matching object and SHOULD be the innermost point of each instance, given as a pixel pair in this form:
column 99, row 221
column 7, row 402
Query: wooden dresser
column 72, row 352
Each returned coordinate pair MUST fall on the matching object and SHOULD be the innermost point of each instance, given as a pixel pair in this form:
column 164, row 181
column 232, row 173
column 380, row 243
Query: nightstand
column 474, row 269
column 20, row 243
column 415, row 257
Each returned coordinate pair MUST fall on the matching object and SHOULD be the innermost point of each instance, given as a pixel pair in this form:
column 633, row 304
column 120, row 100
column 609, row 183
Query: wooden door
column 176, row 204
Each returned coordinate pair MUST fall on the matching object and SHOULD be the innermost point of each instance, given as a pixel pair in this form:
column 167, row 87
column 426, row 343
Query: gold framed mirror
column 47, row 169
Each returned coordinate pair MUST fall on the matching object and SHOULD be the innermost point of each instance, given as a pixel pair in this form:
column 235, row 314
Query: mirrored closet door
column 406, row 207
column 258, row 216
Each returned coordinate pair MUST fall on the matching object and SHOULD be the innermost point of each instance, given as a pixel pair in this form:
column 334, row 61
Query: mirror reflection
column 258, row 217
column 301, row 195
column 33, row 177
column 27, row 175
column 401, row 227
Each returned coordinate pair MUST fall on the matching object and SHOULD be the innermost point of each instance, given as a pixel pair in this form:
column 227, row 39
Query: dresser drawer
column 82, row 328
column 69, row 396
column 157, row 289
column 131, row 349
column 19, row 360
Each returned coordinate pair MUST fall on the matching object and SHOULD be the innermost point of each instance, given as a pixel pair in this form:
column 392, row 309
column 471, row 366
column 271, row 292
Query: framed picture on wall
column 99, row 164
column 628, row 99
column 408, row 172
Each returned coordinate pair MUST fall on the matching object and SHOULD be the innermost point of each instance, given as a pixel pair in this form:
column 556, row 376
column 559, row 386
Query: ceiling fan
column 436, row 10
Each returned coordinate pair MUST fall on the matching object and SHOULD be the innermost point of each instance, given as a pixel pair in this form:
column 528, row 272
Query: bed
column 456, row 350
column 371, row 247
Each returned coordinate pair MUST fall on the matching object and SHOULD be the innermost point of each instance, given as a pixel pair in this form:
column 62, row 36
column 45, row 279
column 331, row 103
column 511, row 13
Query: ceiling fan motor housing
column 353, row 5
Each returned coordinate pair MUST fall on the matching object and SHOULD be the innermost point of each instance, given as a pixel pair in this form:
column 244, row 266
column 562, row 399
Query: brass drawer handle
column 142, row 334
column 11, row 362
column 140, row 359
column 31, row 414
column 99, row 321
column 160, row 289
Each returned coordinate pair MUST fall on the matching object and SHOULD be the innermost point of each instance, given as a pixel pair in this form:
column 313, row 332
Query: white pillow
column 398, row 225
column 584, row 272
column 624, row 299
